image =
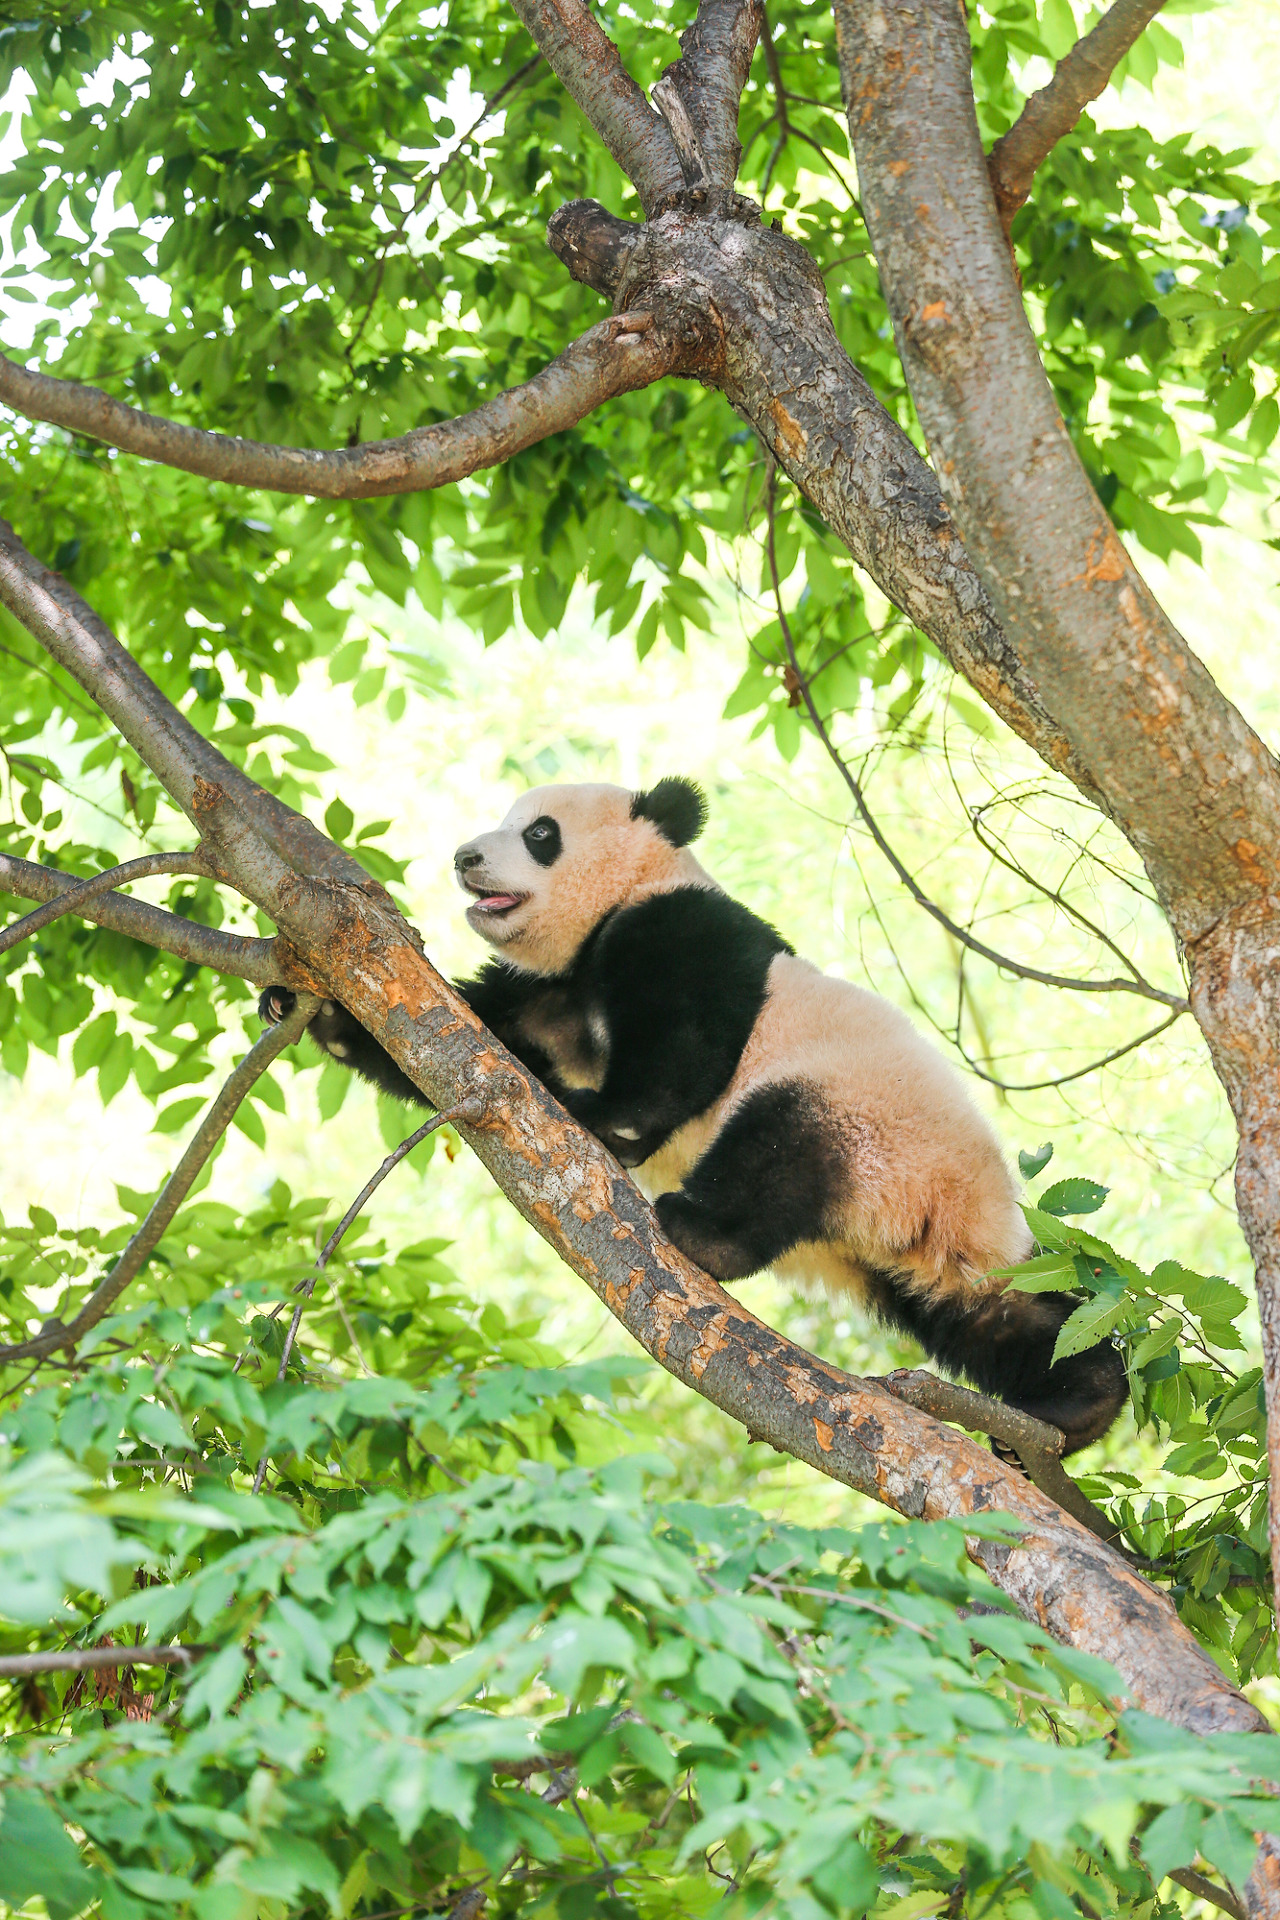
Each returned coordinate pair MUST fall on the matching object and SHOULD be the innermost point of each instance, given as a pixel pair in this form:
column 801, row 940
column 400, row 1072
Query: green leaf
column 1034, row 1161
column 1072, row 1196
column 339, row 819
column 1087, row 1325
column 38, row 1859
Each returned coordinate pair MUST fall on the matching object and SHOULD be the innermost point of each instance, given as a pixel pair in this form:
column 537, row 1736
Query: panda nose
column 466, row 858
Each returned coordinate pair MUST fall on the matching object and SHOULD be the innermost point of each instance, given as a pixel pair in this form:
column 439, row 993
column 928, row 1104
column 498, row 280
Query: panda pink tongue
column 497, row 902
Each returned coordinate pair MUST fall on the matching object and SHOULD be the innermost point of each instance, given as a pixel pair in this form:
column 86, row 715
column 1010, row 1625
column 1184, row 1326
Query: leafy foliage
column 1176, row 1328
column 462, row 1639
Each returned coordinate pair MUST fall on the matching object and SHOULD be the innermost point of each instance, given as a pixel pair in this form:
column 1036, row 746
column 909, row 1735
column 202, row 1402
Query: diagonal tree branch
column 232, row 953
column 1079, row 77
column 81, row 892
column 615, row 357
column 699, row 95
column 353, row 942
column 589, row 67
column 56, row 1338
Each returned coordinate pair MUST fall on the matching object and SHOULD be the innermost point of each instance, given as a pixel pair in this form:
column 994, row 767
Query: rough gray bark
column 615, row 357
column 1181, row 772
column 79, row 894
column 700, row 93
column 775, row 356
column 1079, row 77
column 345, row 937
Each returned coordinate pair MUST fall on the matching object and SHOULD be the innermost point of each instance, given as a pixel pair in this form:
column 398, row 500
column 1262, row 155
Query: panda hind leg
column 1004, row 1344
column 764, row 1184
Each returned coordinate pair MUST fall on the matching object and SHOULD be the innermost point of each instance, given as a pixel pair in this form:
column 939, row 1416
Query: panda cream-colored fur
column 776, row 1116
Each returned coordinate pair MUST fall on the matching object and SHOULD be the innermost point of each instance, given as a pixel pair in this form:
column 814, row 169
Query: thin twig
column 85, row 890
column 96, row 1659
column 471, row 1112
column 53, row 1336
column 1142, row 988
column 1038, row 1446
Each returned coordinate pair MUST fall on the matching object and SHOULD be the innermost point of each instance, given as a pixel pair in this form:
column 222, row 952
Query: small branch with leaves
column 54, row 1337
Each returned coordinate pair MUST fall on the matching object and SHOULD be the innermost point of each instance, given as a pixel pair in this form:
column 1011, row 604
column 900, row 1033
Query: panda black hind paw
column 274, row 1005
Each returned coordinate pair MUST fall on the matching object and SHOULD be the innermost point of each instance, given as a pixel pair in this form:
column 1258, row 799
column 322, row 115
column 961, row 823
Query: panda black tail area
column 1003, row 1345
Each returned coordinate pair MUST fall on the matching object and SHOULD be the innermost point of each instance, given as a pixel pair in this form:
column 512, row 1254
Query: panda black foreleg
column 1004, row 1345
column 765, row 1184
column 339, row 1035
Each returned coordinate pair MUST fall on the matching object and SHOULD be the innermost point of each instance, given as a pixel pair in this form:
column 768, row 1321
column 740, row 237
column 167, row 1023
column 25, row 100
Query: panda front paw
column 275, row 1004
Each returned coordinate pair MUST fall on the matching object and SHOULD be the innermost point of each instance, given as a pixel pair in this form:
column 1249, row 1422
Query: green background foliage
column 479, row 1542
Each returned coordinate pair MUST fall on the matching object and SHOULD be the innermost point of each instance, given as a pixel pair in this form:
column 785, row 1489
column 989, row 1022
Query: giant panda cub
column 777, row 1117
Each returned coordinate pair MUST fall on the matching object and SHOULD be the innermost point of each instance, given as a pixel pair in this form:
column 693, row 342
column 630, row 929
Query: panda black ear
column 676, row 807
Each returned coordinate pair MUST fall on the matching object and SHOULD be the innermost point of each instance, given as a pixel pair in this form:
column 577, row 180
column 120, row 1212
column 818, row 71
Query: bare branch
column 54, row 1337
column 73, row 634
column 800, row 685
column 233, row 953
column 1205, row 1889
column 82, row 891
column 1051, row 113
column 615, row 357
column 589, row 66
column 699, row 95
column 96, row 1660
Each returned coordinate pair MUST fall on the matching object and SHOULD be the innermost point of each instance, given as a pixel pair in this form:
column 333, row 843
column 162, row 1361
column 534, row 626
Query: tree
column 283, row 189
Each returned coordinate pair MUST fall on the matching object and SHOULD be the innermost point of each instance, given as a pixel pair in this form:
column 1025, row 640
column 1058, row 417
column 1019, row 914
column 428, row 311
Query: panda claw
column 274, row 1004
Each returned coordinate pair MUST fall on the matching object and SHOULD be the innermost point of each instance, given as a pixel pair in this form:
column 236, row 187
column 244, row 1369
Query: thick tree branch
column 1051, row 113
column 615, row 357
column 759, row 304
column 81, row 892
column 589, row 67
column 72, row 633
column 232, row 953
column 700, row 93
column 352, row 942
column 54, row 1337
column 1188, row 781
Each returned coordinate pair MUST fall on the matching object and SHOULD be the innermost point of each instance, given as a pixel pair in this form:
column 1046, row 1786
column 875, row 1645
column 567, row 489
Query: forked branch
column 1049, row 114
column 79, row 894
column 615, row 357
column 589, row 67
column 699, row 94
column 232, row 953
column 54, row 1337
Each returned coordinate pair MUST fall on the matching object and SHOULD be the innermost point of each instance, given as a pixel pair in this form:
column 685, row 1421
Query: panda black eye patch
column 542, row 838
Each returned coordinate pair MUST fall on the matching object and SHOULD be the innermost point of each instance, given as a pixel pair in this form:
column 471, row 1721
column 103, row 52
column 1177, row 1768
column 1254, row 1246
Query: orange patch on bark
column 898, row 167
column 792, row 435
column 1246, row 855
column 824, row 1433
column 934, row 310
column 1105, row 560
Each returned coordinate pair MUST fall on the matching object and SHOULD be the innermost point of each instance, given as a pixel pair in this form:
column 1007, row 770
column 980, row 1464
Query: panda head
column 566, row 855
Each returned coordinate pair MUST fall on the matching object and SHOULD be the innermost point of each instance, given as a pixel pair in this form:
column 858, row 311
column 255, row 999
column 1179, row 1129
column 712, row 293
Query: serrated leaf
column 1072, row 1197
column 1089, row 1324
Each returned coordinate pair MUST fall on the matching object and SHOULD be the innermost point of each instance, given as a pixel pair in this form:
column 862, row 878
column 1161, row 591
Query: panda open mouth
column 494, row 906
